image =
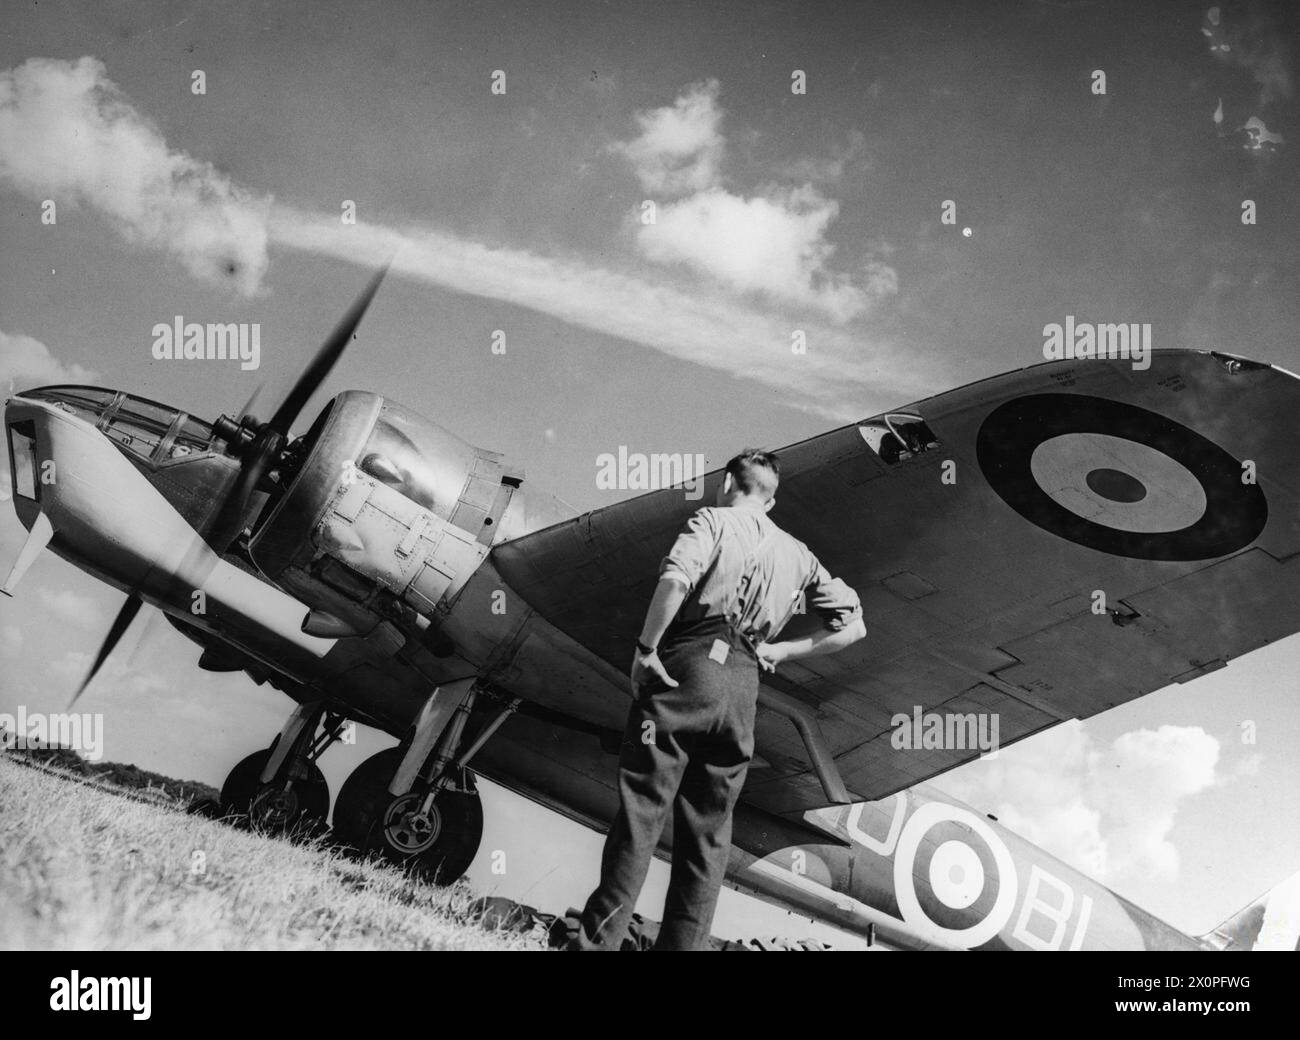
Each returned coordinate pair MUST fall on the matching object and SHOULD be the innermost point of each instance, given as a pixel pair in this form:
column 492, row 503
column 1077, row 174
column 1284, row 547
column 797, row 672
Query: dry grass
column 82, row 868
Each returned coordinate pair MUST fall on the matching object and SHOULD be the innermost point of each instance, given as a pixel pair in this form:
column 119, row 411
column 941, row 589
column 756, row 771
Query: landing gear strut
column 417, row 804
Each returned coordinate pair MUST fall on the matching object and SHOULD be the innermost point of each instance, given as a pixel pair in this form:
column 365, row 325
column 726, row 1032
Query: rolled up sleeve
column 692, row 553
column 834, row 602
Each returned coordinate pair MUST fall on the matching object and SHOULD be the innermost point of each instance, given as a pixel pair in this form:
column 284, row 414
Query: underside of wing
column 1031, row 548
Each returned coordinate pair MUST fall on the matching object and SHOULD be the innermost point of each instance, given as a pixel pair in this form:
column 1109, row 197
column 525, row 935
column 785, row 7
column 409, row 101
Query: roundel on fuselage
column 954, row 878
column 1118, row 478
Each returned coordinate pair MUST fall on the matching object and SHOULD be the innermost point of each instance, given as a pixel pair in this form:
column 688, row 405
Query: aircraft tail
column 1271, row 922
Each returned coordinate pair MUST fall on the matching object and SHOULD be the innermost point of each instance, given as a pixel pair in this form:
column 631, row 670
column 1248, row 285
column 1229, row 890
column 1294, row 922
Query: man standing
column 728, row 586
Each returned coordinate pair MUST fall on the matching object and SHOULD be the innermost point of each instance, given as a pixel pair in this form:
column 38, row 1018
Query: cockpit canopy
column 154, row 433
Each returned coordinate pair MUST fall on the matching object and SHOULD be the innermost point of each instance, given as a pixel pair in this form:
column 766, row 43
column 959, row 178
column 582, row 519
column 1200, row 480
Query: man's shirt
column 736, row 563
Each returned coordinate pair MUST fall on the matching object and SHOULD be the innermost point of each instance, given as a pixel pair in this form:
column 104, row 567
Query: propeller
column 259, row 444
column 258, row 447
column 247, row 410
column 115, row 633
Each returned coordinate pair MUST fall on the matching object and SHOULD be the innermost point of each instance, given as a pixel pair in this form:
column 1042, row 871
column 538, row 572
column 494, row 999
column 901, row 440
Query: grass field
column 86, row 868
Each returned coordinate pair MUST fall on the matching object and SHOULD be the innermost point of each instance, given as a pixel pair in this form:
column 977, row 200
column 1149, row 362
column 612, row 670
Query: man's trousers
column 685, row 750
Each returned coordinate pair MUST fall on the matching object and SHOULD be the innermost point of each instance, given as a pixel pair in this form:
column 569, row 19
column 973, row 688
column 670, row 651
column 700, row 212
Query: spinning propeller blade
column 115, row 633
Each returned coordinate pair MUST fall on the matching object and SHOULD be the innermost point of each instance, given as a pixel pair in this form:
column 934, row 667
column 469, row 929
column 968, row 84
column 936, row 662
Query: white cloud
column 1138, row 783
column 1037, row 790
column 67, row 134
column 774, row 242
column 64, row 127
column 679, row 148
column 1107, row 811
column 1259, row 137
column 26, row 362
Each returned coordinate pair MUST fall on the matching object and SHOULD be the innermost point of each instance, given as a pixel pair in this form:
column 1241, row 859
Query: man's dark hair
column 754, row 470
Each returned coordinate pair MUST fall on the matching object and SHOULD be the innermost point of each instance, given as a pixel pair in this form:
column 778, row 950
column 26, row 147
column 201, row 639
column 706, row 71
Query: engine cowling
column 388, row 515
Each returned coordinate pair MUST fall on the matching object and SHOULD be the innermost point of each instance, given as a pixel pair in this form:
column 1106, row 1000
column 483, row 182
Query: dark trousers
column 686, row 749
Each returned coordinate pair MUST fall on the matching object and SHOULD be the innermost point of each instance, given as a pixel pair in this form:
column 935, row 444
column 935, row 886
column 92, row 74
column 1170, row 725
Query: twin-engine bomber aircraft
column 379, row 569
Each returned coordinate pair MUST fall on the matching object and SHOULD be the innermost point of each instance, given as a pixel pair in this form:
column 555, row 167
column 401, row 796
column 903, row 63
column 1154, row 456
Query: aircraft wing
column 984, row 529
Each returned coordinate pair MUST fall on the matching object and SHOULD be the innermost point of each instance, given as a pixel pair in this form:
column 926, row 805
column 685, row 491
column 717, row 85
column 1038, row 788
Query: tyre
column 209, row 807
column 269, row 807
column 370, row 819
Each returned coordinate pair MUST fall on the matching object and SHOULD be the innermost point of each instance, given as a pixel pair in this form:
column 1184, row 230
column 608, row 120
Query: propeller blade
column 247, row 410
column 154, row 622
column 329, row 353
column 115, row 633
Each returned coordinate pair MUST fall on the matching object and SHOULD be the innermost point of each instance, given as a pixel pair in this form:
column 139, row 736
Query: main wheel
column 270, row 807
column 368, row 818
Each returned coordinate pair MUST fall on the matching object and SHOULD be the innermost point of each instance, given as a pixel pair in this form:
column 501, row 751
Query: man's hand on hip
column 646, row 667
column 771, row 654
column 827, row 641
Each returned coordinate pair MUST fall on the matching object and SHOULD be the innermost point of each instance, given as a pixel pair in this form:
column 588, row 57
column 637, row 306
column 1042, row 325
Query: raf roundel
column 1118, row 478
column 967, row 876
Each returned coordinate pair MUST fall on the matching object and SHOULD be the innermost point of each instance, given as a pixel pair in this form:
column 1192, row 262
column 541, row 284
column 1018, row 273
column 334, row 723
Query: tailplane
column 1271, row 922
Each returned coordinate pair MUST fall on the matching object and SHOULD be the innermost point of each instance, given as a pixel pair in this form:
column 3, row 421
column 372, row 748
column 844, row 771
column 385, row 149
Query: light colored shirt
column 736, row 563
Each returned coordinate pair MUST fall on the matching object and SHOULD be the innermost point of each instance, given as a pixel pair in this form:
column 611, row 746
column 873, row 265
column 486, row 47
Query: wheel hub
column 273, row 807
column 407, row 829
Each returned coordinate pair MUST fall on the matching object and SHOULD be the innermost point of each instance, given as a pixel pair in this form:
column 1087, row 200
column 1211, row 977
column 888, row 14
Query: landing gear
column 440, row 843
column 417, row 804
column 281, row 789
column 275, row 807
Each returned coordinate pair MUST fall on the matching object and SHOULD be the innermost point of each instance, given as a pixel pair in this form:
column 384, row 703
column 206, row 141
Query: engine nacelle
column 388, row 516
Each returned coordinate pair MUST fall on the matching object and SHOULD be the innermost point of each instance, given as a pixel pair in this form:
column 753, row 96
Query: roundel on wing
column 1118, row 478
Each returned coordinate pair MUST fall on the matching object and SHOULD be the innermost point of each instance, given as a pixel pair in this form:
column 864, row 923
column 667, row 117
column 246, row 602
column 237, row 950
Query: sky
column 777, row 212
